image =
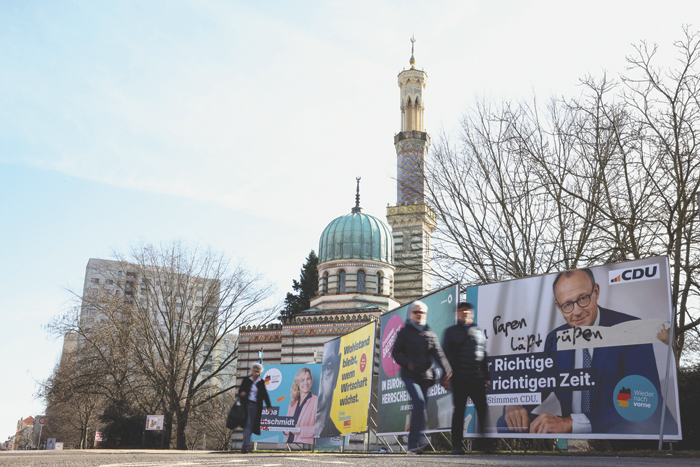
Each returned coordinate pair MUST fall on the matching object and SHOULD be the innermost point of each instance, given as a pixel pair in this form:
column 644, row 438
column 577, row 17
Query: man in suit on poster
column 576, row 293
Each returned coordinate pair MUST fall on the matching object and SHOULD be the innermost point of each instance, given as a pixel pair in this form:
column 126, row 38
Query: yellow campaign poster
column 350, row 401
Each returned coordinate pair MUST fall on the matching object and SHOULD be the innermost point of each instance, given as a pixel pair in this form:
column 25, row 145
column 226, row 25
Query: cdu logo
column 643, row 273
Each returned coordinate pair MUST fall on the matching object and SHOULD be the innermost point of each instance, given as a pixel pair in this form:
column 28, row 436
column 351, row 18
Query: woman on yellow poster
column 302, row 407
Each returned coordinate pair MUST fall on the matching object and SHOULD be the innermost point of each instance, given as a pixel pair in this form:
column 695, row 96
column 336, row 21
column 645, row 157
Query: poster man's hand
column 517, row 418
column 664, row 335
column 547, row 423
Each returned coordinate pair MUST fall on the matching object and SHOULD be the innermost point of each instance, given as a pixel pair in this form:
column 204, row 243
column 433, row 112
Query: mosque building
column 366, row 267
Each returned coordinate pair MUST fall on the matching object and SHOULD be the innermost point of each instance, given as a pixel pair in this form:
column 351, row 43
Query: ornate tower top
column 412, row 61
column 357, row 207
column 412, row 84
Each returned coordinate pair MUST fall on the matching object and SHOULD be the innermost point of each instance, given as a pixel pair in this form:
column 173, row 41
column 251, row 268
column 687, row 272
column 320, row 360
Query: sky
column 242, row 125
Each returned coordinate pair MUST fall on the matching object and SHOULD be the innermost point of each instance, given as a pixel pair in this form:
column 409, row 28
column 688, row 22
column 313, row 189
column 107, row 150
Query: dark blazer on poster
column 612, row 364
column 262, row 395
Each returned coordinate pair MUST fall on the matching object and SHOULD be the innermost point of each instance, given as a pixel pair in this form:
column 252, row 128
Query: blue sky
column 242, row 125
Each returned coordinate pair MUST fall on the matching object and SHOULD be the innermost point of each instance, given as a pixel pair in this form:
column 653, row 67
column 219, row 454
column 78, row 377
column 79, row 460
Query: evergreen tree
column 306, row 288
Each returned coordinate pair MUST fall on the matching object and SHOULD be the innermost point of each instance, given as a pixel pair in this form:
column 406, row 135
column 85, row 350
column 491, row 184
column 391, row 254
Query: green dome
column 356, row 236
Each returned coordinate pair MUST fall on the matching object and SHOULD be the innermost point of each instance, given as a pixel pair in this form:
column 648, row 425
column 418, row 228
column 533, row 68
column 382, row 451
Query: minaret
column 411, row 220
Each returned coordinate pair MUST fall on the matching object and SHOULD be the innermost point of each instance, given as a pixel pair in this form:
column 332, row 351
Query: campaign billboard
column 582, row 354
column 293, row 392
column 394, row 403
column 346, row 384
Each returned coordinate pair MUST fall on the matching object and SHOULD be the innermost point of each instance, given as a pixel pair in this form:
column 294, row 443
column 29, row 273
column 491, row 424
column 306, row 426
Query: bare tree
column 607, row 176
column 163, row 321
column 73, row 404
column 666, row 103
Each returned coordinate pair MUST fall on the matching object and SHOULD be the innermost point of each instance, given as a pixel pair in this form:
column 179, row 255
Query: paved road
column 217, row 459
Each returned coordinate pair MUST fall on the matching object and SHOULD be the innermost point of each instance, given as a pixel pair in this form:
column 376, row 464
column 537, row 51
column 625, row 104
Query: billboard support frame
column 668, row 370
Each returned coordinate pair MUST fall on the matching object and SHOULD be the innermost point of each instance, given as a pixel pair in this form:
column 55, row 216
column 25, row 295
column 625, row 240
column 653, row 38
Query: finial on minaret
column 413, row 60
column 357, row 208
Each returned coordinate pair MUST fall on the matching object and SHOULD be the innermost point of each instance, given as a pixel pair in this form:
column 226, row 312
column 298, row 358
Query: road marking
column 320, row 462
column 168, row 463
column 130, row 464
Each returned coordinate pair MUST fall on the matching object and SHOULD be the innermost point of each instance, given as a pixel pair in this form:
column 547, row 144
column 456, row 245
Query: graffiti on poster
column 293, row 391
column 346, row 380
column 583, row 353
column 394, row 403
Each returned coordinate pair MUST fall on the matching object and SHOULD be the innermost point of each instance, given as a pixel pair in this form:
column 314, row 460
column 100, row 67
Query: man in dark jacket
column 415, row 345
column 253, row 393
column 464, row 347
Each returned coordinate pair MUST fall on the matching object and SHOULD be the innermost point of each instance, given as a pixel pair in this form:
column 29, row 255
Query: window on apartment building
column 95, row 280
column 361, row 279
column 109, row 282
column 131, row 274
column 341, row 281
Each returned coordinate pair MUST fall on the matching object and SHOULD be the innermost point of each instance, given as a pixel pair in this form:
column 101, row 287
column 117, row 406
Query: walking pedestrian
column 415, row 349
column 252, row 392
column 464, row 347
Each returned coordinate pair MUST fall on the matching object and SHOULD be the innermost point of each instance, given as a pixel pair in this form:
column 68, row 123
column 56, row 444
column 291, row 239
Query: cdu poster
column 583, row 353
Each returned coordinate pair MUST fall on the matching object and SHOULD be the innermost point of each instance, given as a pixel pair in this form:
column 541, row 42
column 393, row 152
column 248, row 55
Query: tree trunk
column 181, row 425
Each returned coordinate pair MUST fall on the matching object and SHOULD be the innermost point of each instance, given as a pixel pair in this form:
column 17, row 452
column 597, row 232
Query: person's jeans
column 248, row 430
column 418, row 391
